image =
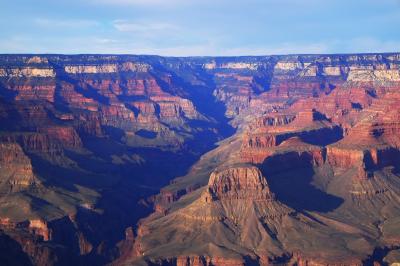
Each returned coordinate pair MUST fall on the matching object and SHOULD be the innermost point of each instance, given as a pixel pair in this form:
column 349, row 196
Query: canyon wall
column 269, row 154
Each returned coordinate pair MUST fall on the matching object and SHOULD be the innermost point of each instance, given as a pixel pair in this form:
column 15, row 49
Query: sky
column 199, row 27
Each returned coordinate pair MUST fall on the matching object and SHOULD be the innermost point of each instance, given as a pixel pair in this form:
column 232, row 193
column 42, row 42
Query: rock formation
column 264, row 160
column 16, row 167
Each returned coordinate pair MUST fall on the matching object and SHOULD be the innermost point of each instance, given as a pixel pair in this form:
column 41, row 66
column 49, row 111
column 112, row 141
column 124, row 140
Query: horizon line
column 198, row 56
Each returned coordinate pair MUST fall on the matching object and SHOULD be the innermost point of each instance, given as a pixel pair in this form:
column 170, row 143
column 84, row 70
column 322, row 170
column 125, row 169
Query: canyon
column 189, row 161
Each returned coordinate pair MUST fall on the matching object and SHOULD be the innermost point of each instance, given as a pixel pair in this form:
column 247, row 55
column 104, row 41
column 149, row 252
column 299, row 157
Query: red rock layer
column 16, row 168
column 208, row 261
column 278, row 133
column 35, row 92
column 242, row 182
column 66, row 136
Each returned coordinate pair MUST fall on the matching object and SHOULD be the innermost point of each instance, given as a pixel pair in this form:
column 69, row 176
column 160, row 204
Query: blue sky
column 199, row 27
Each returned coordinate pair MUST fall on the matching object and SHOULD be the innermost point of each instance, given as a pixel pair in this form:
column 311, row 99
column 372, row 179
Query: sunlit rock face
column 27, row 72
column 16, row 167
column 200, row 161
column 238, row 183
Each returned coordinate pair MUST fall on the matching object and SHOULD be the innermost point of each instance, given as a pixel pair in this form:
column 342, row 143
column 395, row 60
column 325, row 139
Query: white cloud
column 362, row 45
column 105, row 41
column 65, row 23
column 140, row 2
column 214, row 49
column 369, row 44
column 127, row 26
column 110, row 45
column 285, row 48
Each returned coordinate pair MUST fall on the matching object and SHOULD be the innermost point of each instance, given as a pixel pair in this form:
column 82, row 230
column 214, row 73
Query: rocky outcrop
column 36, row 238
column 165, row 198
column 370, row 145
column 393, row 257
column 278, row 133
column 39, row 227
column 34, row 92
column 231, row 65
column 288, row 66
column 373, row 158
column 27, row 72
column 91, row 69
column 301, row 260
column 205, row 261
column 241, row 182
column 272, row 120
column 379, row 75
column 65, row 136
column 16, row 168
column 36, row 142
column 16, row 249
column 107, row 68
